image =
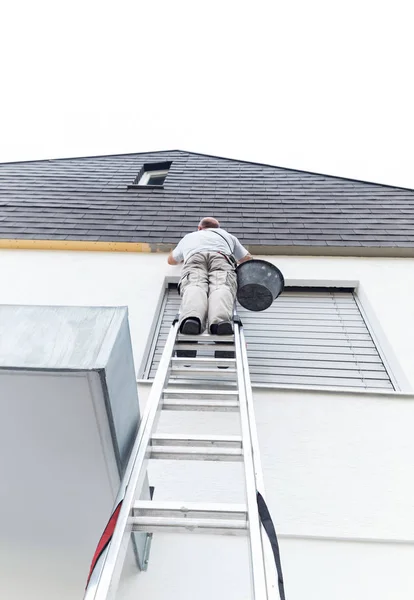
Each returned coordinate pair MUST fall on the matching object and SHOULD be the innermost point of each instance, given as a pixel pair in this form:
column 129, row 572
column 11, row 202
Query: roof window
column 152, row 175
column 153, row 178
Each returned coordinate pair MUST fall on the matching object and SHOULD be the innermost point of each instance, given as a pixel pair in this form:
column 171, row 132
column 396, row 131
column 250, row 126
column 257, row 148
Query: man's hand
column 245, row 258
column 171, row 260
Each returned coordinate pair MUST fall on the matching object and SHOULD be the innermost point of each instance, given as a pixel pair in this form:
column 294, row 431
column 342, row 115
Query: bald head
column 208, row 223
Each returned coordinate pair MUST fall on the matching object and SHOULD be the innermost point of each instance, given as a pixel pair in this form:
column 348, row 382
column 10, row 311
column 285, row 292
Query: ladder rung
column 180, row 379
column 172, row 439
column 185, row 525
column 196, row 447
column 205, row 347
column 200, row 404
column 199, row 394
column 192, row 517
column 200, row 370
column 205, row 338
column 204, row 384
column 204, row 362
column 195, row 453
column 160, row 508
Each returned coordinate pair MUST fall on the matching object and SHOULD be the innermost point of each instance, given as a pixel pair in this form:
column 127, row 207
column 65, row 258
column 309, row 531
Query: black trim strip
column 267, row 523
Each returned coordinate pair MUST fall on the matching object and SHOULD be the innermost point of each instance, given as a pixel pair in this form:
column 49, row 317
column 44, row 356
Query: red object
column 105, row 539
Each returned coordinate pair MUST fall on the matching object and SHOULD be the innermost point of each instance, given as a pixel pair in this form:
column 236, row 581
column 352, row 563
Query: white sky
column 324, row 86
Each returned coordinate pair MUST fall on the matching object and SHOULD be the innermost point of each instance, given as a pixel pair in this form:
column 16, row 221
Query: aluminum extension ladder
column 179, row 516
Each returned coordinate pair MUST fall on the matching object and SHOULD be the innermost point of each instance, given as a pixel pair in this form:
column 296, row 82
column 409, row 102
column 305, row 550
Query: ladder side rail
column 102, row 586
column 255, row 538
column 270, row 569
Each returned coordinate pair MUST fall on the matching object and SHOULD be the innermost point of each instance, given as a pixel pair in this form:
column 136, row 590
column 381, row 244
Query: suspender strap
column 267, row 523
column 223, row 238
column 230, row 259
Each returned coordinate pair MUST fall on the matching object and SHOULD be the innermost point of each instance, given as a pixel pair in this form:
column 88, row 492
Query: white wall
column 54, row 467
column 135, row 280
column 337, row 471
column 337, row 466
column 319, row 570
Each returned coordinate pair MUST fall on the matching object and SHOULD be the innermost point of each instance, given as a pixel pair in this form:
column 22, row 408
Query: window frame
column 146, row 178
column 386, row 353
column 384, row 348
column 148, row 170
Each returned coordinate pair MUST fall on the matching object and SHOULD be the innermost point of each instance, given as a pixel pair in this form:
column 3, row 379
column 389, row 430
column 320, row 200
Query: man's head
column 208, row 223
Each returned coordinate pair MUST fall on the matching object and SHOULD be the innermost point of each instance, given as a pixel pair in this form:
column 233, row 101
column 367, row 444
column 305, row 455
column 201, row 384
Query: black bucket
column 259, row 283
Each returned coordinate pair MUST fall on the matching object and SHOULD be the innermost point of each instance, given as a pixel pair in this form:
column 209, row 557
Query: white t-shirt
column 206, row 240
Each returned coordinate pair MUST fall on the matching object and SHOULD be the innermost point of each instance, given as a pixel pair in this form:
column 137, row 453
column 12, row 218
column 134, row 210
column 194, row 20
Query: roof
column 266, row 207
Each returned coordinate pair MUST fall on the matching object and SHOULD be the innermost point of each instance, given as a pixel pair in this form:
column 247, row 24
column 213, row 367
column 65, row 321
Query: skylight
column 152, row 175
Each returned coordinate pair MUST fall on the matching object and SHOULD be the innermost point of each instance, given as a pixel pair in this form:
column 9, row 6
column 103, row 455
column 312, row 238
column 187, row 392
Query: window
column 153, row 178
column 311, row 337
column 152, row 175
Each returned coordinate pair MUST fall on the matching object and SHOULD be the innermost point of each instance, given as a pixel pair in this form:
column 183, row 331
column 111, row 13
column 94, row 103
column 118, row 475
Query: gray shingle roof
column 265, row 206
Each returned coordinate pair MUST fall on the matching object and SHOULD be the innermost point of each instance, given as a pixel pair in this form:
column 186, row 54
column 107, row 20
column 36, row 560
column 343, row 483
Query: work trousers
column 208, row 288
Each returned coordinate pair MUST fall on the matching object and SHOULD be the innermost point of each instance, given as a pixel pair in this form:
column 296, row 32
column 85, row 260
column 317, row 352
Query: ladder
column 151, row 516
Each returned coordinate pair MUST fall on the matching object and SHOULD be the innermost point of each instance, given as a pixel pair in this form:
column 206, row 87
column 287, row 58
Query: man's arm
column 176, row 256
column 240, row 251
column 245, row 258
column 171, row 260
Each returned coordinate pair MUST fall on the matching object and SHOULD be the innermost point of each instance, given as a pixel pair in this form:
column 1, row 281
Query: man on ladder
column 208, row 283
column 208, row 289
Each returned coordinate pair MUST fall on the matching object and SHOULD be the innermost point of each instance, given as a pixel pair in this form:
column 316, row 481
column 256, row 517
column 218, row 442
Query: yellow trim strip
column 74, row 245
column 378, row 252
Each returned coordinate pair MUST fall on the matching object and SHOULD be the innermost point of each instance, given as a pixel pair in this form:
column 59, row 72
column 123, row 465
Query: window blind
column 308, row 338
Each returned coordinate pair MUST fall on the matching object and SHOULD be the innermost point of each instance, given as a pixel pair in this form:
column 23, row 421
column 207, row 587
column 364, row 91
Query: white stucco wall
column 315, row 570
column 337, row 466
column 135, row 280
column 337, row 475
column 337, row 471
column 53, row 467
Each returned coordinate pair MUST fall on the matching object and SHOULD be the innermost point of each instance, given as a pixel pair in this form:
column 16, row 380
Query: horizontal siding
column 305, row 338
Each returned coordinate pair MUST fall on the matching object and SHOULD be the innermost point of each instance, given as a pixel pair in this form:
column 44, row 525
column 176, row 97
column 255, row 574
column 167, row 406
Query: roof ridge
column 398, row 187
column 250, row 162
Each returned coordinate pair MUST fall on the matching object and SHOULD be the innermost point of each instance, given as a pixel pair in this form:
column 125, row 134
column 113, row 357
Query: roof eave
column 255, row 250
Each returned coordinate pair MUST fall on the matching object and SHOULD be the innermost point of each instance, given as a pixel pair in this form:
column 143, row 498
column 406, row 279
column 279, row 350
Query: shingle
column 88, row 199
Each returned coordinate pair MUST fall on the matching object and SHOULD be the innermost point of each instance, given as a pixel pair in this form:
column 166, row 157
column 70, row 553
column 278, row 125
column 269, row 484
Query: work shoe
column 191, row 326
column 222, row 328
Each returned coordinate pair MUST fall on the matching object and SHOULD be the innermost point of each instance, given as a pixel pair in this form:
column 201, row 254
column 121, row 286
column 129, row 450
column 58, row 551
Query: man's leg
column 193, row 290
column 222, row 293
